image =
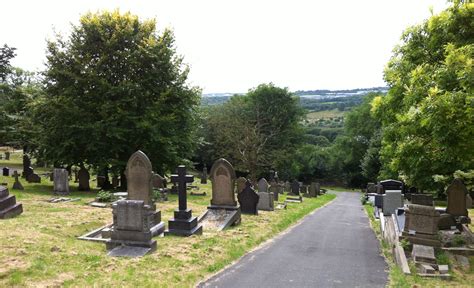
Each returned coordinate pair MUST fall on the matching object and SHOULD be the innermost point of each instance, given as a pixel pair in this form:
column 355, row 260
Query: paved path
column 333, row 247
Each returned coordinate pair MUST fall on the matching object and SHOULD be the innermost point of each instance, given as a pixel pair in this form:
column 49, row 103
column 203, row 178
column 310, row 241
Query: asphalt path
column 332, row 247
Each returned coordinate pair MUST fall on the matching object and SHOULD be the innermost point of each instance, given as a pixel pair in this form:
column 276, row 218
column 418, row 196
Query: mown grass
column 40, row 247
column 326, row 114
column 460, row 277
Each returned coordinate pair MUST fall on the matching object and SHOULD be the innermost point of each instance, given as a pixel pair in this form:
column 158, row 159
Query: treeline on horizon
column 116, row 85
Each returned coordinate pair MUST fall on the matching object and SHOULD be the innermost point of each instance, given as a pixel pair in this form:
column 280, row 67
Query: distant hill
column 306, row 96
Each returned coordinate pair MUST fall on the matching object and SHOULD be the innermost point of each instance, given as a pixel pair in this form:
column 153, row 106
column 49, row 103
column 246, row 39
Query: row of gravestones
column 7, row 156
column 420, row 221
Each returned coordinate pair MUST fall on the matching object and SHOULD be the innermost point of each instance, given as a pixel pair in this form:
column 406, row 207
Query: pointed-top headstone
column 457, row 198
column 240, row 183
column 248, row 199
column 139, row 174
column 223, row 177
column 263, row 185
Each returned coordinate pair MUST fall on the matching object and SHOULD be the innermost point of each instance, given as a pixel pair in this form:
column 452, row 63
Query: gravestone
column 295, row 188
column 7, row 155
column 8, row 206
column 422, row 199
column 6, row 171
column 204, row 175
column 224, row 210
column 27, row 170
column 391, row 202
column 136, row 220
column 240, row 184
column 17, row 185
column 158, row 182
column 287, row 187
column 183, row 224
column 223, row 178
column 457, row 198
column 274, row 189
column 83, row 177
column 378, row 201
column 391, row 184
column 314, row 189
column 421, row 225
column 263, row 185
column 248, row 199
column 265, row 201
column 61, row 181
column 139, row 174
column 379, row 188
column 33, row 178
column 371, row 188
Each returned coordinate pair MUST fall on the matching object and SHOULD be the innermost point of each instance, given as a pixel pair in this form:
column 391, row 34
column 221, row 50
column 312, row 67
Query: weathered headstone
column 391, row 184
column 136, row 220
column 83, row 177
column 158, row 182
column 263, row 185
column 6, row 171
column 265, row 201
column 223, row 178
column 423, row 254
column 8, row 206
column 422, row 199
column 314, row 189
column 391, row 202
column 248, row 199
column 240, row 184
column 61, row 181
column 17, row 185
column 33, row 178
column 139, row 173
column 457, row 198
column 274, row 189
column 421, row 225
column 295, row 188
column 204, row 175
column 27, row 170
column 287, row 187
column 224, row 210
column 183, row 224
column 7, row 155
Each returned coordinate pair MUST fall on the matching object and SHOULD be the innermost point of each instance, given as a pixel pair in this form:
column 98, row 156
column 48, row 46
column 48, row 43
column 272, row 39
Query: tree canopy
column 114, row 86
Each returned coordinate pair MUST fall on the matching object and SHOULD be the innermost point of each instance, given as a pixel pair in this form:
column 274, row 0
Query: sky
column 232, row 46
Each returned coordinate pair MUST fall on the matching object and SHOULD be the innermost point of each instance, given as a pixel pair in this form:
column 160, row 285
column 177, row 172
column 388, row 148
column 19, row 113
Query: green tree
column 428, row 114
column 113, row 86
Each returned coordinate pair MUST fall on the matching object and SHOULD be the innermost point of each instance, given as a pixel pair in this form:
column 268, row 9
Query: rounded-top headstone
column 223, row 177
column 139, row 176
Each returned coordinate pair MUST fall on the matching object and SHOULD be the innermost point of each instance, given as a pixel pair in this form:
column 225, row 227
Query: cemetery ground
column 461, row 277
column 40, row 247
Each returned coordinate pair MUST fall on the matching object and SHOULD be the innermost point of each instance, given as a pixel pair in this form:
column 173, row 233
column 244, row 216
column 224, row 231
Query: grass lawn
column 40, row 248
column 314, row 116
column 460, row 277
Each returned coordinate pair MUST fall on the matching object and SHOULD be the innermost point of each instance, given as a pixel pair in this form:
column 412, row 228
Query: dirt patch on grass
column 57, row 282
column 12, row 264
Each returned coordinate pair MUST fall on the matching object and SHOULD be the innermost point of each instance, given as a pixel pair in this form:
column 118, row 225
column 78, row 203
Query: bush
column 104, row 196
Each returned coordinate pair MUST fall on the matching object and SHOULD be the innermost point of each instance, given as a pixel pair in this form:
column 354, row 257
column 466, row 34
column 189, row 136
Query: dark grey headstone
column 6, row 171
column 422, row 199
column 457, row 198
column 248, row 199
column 33, row 178
column 295, row 188
column 83, row 178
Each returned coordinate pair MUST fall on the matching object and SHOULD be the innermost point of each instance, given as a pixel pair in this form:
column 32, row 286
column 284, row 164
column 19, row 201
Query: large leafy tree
column 113, row 86
column 254, row 131
column 428, row 114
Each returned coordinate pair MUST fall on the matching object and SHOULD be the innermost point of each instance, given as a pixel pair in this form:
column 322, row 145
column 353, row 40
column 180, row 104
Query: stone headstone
column 139, row 174
column 391, row 184
column 457, row 198
column 158, row 182
column 240, row 184
column 6, row 171
column 33, row 178
column 17, row 185
column 183, row 223
column 263, row 185
column 422, row 199
column 27, row 170
column 223, row 177
column 204, row 175
column 421, row 225
column 265, row 201
column 379, row 189
column 314, row 189
column 378, row 201
column 287, row 187
column 248, row 199
column 391, row 202
column 8, row 206
column 295, row 188
column 61, row 181
column 7, row 155
column 274, row 189
column 83, row 177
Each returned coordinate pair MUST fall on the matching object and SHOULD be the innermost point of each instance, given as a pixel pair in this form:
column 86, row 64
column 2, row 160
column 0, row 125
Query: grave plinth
column 421, row 225
column 8, row 206
column 183, row 223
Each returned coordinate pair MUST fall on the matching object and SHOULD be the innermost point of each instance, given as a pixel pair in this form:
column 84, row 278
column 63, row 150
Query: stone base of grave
column 294, row 199
column 8, row 206
column 222, row 217
column 198, row 194
column 130, row 248
column 422, row 239
column 184, row 224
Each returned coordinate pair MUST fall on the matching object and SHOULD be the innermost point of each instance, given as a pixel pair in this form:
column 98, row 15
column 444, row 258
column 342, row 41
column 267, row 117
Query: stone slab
column 129, row 251
column 423, row 254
